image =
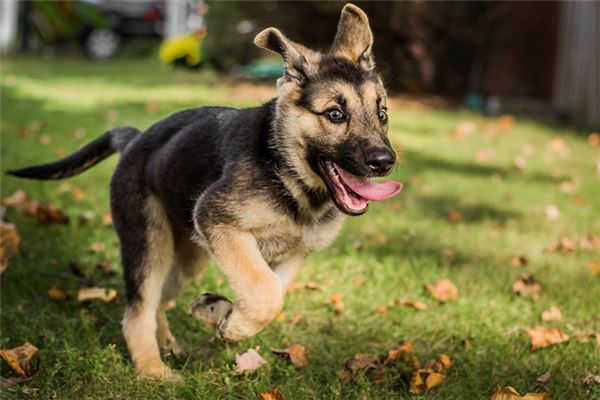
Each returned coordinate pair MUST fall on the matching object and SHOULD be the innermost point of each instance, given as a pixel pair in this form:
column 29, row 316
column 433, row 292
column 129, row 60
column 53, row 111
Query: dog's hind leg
column 147, row 251
column 190, row 261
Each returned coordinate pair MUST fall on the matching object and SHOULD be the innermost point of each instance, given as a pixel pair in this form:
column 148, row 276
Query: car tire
column 102, row 44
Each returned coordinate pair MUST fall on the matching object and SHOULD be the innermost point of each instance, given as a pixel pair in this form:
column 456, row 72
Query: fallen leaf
column 519, row 261
column 440, row 364
column 594, row 139
column 383, row 310
column 93, row 293
column 271, row 395
column 417, row 305
column 552, row 314
column 401, row 352
column 45, row 139
column 463, row 129
column 303, row 285
column 448, row 255
column 296, row 353
column 443, row 290
column 336, row 301
column 152, row 106
column 542, row 380
column 78, row 133
column 9, row 243
column 42, row 213
column 483, row 156
column 563, row 245
column 19, row 359
column 58, row 293
column 594, row 267
column 510, row 393
column 454, row 216
column 569, row 186
column 98, row 247
column 520, row 162
column 552, row 212
column 362, row 361
column 296, row 319
column 107, row 219
column 281, row 317
column 589, row 381
column 527, row 286
column 528, row 150
column 249, row 361
column 589, row 242
column 425, row 379
column 541, row 337
column 558, row 146
column 106, row 268
column 380, row 238
column 78, row 194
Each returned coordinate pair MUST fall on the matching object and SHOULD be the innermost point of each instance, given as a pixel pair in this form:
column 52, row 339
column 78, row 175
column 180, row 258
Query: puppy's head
column 332, row 114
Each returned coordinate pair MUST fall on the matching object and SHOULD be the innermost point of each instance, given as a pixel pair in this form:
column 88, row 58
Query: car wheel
column 102, row 44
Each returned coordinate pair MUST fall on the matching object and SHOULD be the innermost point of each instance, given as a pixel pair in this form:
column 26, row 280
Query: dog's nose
column 380, row 159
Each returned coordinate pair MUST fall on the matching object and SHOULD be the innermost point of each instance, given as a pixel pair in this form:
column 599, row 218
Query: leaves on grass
column 336, row 301
column 552, row 212
column 361, row 362
column 106, row 268
column 399, row 353
column 96, row 293
column 552, row 314
column 594, row 139
column 527, row 286
column 19, row 359
column 510, row 393
column 58, row 293
column 296, row 353
column 464, row 128
column 303, row 285
column 417, row 305
column 594, row 266
column 443, row 290
column 454, row 216
column 425, row 379
column 558, row 146
column 541, row 337
column 590, row 381
column 542, row 380
column 271, row 395
column 519, row 261
column 9, row 243
column 107, row 219
column 40, row 212
column 98, row 247
column 563, row 245
column 589, row 242
column 249, row 361
column 483, row 156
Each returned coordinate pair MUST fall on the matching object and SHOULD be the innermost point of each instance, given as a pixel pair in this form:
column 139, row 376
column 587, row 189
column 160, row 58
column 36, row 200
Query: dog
column 256, row 189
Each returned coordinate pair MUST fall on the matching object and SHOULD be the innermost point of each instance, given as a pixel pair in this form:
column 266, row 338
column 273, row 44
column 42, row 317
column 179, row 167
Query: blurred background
column 540, row 59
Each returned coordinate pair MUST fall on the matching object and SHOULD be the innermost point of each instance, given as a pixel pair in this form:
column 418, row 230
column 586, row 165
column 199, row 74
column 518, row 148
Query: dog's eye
column 335, row 115
column 383, row 115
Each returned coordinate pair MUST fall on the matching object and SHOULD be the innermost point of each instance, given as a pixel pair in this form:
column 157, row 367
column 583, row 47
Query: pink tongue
column 367, row 188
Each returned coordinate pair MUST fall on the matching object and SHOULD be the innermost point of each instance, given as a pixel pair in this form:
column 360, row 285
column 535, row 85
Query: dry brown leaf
column 107, row 268
column 9, row 243
column 510, row 393
column 542, row 380
column 401, row 352
column 527, row 286
column 594, row 266
column 96, row 293
column 303, row 285
column 552, row 212
column 362, row 361
column 594, row 139
column 519, row 261
column 541, row 337
column 425, row 379
column 552, row 314
column 296, row 353
column 58, row 293
column 443, row 290
column 463, row 129
column 42, row 213
column 563, row 245
column 589, row 381
column 520, row 162
column 45, row 139
column 439, row 364
column 296, row 319
column 454, row 216
column 19, row 359
column 417, row 305
column 249, row 361
column 152, row 107
column 380, row 238
column 383, row 310
column 78, row 194
column 271, row 395
column 107, row 219
column 336, row 301
column 589, row 242
column 98, row 247
column 558, row 146
column 569, row 186
column 483, row 156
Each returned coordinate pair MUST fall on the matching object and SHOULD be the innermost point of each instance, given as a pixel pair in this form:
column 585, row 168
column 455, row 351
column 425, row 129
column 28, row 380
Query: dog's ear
column 354, row 39
column 298, row 60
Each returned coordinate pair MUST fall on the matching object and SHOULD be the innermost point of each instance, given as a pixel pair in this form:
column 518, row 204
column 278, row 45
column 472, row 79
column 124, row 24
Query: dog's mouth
column 352, row 193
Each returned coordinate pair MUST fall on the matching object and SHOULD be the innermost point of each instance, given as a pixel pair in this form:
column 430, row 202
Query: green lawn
column 402, row 246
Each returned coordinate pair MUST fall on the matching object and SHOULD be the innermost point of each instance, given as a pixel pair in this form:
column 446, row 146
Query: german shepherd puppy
column 256, row 189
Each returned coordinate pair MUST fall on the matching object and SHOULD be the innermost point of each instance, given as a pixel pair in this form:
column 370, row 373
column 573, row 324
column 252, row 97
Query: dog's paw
column 212, row 309
column 173, row 348
column 159, row 371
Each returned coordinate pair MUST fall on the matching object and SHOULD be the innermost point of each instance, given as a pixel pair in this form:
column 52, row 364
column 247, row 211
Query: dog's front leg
column 258, row 289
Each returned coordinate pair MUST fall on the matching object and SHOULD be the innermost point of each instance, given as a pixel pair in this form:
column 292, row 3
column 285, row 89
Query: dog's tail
column 115, row 140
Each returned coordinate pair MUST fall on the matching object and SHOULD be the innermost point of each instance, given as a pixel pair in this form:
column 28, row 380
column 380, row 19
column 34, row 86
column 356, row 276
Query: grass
column 403, row 242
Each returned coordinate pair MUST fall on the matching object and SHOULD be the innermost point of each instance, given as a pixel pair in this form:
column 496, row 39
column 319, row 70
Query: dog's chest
column 280, row 241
